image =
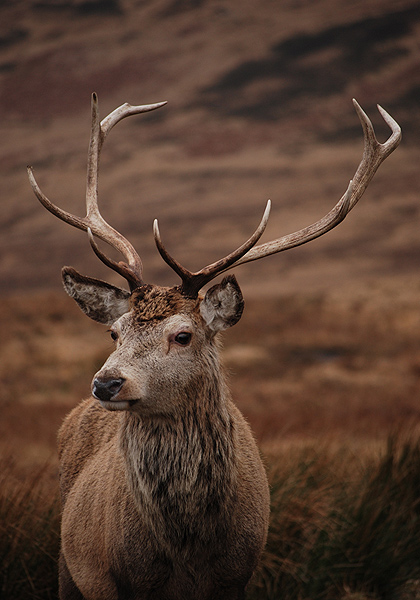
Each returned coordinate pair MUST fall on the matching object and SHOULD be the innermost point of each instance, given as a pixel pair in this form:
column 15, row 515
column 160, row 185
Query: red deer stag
column 163, row 490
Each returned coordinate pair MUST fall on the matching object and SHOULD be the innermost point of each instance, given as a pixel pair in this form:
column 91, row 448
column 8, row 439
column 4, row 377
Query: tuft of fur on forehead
column 151, row 302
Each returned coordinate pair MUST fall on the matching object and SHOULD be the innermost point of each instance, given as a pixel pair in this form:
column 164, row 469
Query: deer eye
column 113, row 334
column 183, row 338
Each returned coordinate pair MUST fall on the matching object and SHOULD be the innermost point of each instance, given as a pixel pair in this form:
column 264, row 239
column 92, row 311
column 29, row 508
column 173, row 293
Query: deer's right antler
column 131, row 268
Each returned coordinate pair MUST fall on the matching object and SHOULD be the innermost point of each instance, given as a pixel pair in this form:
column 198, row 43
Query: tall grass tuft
column 343, row 527
column 29, row 537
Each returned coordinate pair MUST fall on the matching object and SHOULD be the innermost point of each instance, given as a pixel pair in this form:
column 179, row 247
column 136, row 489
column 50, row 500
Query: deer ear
column 98, row 300
column 223, row 305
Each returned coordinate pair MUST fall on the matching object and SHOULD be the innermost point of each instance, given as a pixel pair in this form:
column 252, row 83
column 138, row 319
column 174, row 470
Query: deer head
column 158, row 331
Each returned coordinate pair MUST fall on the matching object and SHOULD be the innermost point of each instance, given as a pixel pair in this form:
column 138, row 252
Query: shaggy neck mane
column 181, row 468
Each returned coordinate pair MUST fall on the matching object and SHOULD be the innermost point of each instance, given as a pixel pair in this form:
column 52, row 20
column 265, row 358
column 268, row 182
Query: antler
column 373, row 155
column 193, row 282
column 131, row 268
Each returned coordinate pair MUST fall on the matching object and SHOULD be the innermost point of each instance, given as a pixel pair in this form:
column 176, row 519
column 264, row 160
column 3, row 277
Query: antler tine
column 193, row 282
column 373, row 155
column 131, row 268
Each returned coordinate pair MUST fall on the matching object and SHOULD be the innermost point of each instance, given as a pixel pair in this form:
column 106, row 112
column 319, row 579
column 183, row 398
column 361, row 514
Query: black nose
column 106, row 389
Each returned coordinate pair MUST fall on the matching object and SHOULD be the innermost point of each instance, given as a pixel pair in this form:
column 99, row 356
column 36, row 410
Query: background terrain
column 259, row 106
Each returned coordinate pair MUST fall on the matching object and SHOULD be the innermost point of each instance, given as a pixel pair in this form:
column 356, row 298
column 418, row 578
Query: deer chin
column 117, row 405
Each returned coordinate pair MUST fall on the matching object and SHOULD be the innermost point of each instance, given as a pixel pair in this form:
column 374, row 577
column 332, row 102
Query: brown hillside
column 259, row 106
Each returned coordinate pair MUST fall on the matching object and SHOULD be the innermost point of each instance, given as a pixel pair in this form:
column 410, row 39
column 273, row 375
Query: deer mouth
column 117, row 405
column 107, row 391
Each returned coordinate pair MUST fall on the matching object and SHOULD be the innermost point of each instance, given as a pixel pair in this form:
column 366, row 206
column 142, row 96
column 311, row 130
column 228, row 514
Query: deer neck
column 181, row 469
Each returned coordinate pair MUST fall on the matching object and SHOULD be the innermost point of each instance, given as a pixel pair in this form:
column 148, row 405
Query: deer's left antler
column 373, row 156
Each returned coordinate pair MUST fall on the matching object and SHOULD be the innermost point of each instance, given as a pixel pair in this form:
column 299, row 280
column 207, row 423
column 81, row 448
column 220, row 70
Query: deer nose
column 106, row 389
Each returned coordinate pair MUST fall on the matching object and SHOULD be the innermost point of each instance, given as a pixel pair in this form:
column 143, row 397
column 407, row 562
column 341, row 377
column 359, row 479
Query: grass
column 29, row 536
column 342, row 527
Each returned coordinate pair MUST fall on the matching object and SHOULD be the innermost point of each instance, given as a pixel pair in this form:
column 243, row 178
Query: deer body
column 174, row 476
column 163, row 490
column 139, row 539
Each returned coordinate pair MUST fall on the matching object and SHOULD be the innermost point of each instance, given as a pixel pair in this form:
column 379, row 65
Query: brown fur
column 154, row 303
column 166, row 496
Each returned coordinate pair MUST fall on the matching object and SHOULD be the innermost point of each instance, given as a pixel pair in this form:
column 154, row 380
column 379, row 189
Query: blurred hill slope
column 259, row 106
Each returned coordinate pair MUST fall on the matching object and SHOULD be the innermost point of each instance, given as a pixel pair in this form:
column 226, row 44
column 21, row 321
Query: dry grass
column 323, row 366
column 344, row 525
column 29, row 534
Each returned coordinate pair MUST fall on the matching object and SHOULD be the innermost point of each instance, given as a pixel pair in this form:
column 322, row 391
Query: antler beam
column 131, row 268
column 373, row 155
